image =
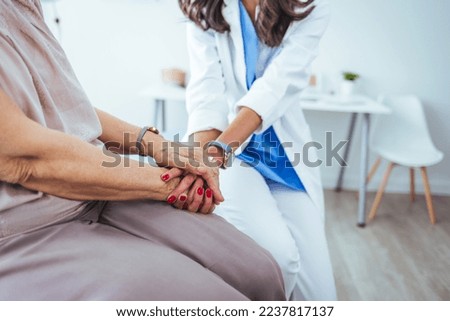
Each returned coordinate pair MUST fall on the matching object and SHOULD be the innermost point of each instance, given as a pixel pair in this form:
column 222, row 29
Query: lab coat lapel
column 231, row 15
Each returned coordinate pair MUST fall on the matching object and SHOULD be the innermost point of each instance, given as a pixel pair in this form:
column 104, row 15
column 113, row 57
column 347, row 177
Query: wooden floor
column 398, row 256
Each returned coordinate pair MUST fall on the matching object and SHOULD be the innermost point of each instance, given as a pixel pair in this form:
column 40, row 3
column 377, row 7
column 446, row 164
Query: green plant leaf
column 351, row 76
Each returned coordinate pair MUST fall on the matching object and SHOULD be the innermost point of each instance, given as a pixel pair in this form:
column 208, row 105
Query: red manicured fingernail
column 183, row 198
column 208, row 193
column 200, row 191
column 171, row 199
column 165, row 177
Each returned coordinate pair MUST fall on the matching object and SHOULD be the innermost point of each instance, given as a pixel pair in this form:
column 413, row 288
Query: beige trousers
column 138, row 250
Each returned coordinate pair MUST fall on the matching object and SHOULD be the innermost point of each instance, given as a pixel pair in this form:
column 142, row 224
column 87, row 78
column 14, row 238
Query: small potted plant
column 348, row 83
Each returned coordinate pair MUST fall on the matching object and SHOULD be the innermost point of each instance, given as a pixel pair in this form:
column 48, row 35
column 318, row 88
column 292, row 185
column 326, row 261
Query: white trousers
column 286, row 223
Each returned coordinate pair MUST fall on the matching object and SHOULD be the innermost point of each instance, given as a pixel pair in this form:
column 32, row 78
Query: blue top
column 264, row 152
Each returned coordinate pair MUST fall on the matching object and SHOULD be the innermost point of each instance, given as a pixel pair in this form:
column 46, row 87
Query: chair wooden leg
column 376, row 203
column 373, row 170
column 412, row 187
column 428, row 198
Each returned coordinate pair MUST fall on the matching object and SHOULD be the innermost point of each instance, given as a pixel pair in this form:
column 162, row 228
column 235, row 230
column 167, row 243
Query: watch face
column 226, row 150
column 212, row 161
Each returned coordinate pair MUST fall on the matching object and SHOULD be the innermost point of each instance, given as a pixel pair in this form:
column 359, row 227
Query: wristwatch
column 144, row 130
column 228, row 154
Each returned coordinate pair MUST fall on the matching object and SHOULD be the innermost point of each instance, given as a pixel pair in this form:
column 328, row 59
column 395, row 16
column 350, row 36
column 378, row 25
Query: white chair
column 402, row 138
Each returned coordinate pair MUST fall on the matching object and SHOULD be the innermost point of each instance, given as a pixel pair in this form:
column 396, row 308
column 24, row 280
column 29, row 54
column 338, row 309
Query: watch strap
column 141, row 135
column 217, row 143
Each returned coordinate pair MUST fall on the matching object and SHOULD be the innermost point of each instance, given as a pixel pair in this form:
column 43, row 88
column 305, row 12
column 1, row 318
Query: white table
column 355, row 105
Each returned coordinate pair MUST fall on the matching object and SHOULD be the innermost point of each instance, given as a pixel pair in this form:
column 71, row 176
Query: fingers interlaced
column 198, row 190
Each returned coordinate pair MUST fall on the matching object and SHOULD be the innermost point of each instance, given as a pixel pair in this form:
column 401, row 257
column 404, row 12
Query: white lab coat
column 217, row 87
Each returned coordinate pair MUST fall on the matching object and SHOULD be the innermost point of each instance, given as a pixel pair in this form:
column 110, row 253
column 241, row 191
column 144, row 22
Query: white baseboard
column 401, row 186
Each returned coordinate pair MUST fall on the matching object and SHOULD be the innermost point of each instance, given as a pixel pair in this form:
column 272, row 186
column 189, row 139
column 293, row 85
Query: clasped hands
column 197, row 171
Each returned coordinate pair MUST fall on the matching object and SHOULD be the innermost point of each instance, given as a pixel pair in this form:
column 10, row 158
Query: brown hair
column 273, row 21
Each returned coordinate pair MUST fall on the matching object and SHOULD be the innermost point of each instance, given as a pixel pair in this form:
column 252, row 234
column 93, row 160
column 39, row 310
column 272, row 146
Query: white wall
column 118, row 47
column 400, row 47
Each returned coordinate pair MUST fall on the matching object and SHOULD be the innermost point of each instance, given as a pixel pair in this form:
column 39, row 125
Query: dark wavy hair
column 273, row 21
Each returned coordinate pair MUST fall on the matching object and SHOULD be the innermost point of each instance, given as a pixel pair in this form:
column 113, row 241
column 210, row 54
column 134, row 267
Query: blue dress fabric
column 264, row 152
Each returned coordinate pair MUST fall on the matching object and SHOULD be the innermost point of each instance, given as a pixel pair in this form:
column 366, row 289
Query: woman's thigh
column 83, row 261
column 206, row 239
column 306, row 224
column 250, row 206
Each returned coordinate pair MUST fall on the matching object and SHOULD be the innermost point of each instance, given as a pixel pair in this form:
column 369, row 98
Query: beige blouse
column 35, row 73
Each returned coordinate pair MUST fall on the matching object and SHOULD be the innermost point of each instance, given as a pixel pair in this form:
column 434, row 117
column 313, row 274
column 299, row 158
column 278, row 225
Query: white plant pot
column 347, row 88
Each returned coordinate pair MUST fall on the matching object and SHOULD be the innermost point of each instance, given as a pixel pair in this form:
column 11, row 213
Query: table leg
column 163, row 114
column 346, row 152
column 365, row 129
column 156, row 112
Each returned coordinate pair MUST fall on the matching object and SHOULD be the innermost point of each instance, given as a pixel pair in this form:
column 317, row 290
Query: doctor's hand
column 185, row 160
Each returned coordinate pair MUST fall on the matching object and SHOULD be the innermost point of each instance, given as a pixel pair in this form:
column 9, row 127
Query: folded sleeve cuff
column 262, row 102
column 201, row 120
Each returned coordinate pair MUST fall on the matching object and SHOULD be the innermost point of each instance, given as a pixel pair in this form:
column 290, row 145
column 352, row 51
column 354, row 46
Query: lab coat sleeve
column 288, row 73
column 206, row 102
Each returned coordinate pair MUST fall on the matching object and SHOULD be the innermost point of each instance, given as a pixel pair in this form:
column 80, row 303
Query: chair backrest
column 405, row 127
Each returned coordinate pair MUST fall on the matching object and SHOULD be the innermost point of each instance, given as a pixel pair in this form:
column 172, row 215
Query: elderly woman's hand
column 185, row 160
column 197, row 199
